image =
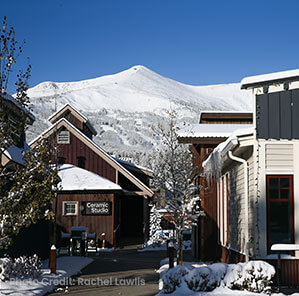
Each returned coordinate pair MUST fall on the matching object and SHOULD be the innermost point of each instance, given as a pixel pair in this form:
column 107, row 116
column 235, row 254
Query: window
column 70, row 208
column 81, row 162
column 63, row 137
column 280, row 210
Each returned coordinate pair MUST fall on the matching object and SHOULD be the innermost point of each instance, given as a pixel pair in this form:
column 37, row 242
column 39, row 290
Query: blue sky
column 192, row 41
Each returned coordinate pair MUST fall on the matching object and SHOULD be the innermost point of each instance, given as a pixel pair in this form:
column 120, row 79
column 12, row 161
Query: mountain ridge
column 124, row 106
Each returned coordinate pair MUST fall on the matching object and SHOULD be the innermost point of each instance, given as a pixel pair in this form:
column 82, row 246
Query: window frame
column 63, row 137
column 290, row 201
column 64, row 203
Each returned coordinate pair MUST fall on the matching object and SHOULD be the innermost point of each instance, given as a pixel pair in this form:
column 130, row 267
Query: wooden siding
column 278, row 115
column 236, row 201
column 289, row 275
column 231, row 256
column 279, row 156
column 98, row 224
column 226, row 117
column 93, row 162
column 209, row 230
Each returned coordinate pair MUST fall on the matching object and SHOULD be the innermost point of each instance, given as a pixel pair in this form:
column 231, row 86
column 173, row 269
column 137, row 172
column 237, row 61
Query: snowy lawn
column 66, row 267
column 196, row 279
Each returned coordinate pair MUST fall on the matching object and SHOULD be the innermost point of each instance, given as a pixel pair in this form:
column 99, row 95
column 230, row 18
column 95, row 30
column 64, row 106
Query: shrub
column 173, row 278
column 254, row 276
column 20, row 267
column 206, row 278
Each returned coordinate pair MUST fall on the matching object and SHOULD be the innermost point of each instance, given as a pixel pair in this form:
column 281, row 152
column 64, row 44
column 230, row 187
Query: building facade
column 91, row 178
column 256, row 172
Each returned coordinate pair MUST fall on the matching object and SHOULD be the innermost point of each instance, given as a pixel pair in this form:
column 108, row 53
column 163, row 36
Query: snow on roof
column 15, row 102
column 285, row 247
column 95, row 145
column 225, row 112
column 261, row 79
column 85, row 119
column 210, row 130
column 213, row 164
column 74, row 178
column 16, row 154
column 134, row 166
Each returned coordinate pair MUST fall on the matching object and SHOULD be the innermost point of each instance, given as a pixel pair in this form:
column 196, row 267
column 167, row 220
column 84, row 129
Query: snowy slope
column 124, row 106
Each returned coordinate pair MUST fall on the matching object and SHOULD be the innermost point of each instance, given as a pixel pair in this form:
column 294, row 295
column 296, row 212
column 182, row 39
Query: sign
column 96, row 208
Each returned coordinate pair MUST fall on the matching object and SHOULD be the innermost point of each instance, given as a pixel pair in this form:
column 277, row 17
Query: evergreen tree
column 25, row 189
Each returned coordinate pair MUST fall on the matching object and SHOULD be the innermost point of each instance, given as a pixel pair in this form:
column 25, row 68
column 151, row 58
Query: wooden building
column 213, row 128
column 119, row 210
column 256, row 175
column 13, row 113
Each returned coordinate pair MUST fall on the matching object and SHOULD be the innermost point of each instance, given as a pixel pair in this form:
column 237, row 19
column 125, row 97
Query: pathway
column 121, row 272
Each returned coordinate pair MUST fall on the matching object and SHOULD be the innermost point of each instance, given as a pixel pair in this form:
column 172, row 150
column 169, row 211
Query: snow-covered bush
column 173, row 278
column 206, row 278
column 20, row 267
column 254, row 276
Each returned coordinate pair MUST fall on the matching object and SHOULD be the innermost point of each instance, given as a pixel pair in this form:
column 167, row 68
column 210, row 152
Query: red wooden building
column 98, row 191
column 214, row 127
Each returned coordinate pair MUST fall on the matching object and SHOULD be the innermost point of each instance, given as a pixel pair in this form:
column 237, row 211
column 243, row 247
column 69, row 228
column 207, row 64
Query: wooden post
column 171, row 254
column 278, row 270
column 53, row 259
column 103, row 240
column 167, row 248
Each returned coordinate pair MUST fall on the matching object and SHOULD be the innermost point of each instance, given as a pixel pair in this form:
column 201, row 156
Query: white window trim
column 64, row 203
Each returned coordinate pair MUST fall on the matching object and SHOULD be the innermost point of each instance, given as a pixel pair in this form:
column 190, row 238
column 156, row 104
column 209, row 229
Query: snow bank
column 46, row 282
column 253, row 276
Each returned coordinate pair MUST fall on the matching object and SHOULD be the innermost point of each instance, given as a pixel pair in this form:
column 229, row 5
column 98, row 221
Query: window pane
column 284, row 193
column 285, row 182
column 273, row 194
column 273, row 182
column 279, row 223
column 70, row 208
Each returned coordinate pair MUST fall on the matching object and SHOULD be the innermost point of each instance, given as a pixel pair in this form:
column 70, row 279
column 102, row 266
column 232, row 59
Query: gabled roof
column 96, row 148
column 259, row 80
column 77, row 179
column 54, row 117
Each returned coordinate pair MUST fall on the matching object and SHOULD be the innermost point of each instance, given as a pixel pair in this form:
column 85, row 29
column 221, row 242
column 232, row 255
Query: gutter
column 243, row 161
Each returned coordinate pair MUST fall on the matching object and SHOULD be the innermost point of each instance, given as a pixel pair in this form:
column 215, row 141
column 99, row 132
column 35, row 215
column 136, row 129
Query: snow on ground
column 66, row 267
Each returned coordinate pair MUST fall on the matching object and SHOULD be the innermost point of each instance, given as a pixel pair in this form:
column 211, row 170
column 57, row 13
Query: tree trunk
column 180, row 247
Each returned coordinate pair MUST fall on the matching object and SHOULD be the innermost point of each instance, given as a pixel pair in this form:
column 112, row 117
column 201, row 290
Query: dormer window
column 63, row 137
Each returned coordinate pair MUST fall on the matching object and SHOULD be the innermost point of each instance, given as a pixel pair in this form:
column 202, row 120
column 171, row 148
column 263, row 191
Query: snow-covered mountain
column 123, row 107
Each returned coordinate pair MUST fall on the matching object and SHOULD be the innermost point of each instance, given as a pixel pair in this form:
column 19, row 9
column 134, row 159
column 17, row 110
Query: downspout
column 241, row 160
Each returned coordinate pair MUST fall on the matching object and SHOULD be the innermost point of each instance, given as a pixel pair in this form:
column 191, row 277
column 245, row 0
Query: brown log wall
column 93, row 162
column 98, row 224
